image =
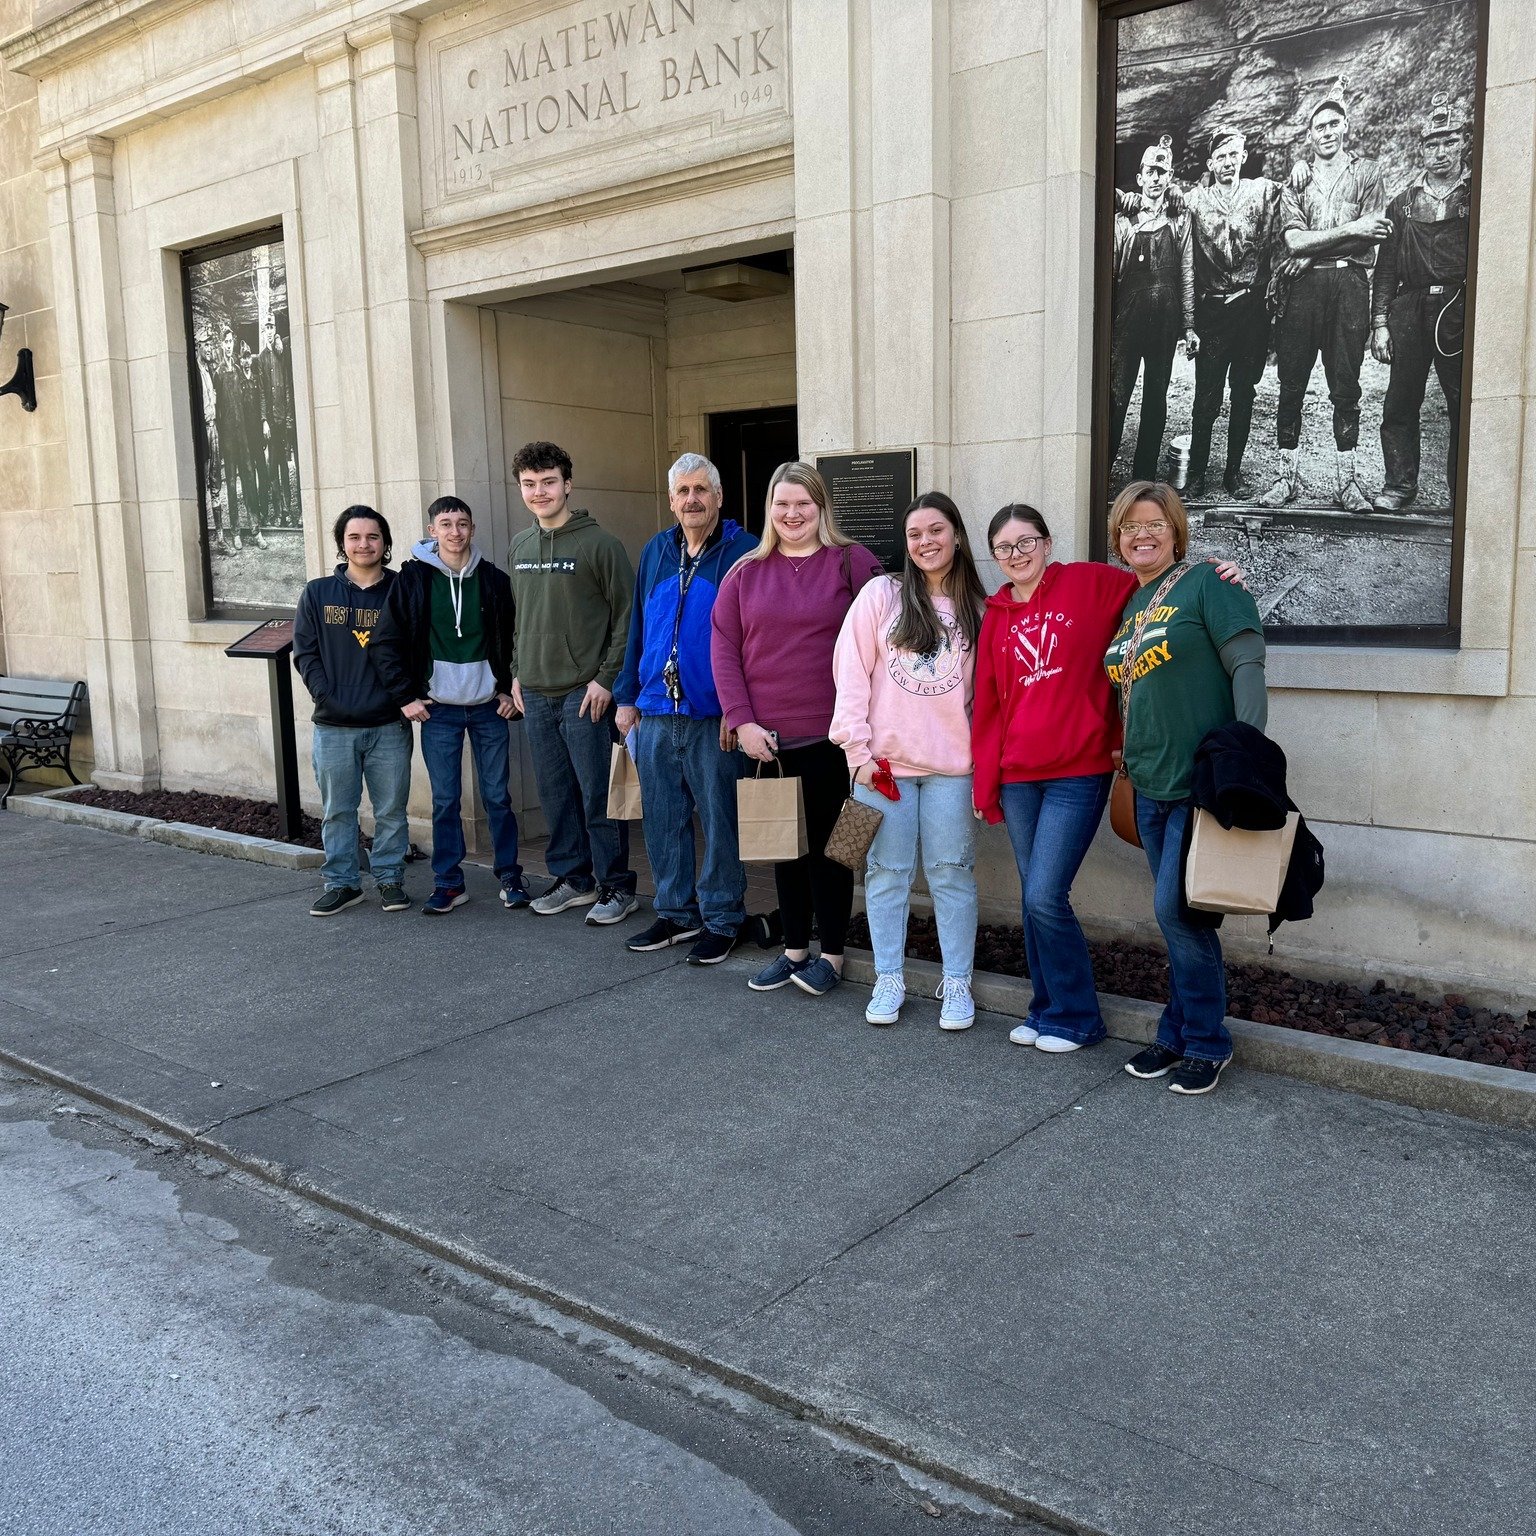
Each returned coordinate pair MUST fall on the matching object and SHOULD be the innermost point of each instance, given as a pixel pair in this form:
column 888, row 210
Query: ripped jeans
column 936, row 811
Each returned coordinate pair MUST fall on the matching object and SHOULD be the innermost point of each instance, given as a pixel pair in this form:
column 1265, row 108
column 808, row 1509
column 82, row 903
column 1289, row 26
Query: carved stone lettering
column 588, row 79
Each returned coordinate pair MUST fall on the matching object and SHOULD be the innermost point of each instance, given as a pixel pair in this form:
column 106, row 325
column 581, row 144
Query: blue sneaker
column 443, row 901
column 779, row 973
column 514, row 893
column 816, row 977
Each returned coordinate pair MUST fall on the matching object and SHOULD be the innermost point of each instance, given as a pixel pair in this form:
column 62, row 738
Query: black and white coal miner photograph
column 1288, row 243
column 242, row 405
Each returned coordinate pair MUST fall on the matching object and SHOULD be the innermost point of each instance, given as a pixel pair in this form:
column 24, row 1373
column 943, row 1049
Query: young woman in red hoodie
column 1044, row 730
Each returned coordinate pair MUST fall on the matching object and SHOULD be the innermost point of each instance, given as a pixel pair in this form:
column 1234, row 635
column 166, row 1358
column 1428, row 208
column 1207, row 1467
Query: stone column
column 93, row 360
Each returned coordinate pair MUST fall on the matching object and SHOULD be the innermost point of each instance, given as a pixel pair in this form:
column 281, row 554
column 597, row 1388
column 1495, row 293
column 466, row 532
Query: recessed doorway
column 747, row 446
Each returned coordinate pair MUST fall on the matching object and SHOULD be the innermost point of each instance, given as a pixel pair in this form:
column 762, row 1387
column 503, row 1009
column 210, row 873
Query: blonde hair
column 1165, row 499
column 808, row 478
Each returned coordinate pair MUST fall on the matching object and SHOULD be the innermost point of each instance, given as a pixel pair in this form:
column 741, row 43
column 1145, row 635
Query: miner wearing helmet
column 1418, row 301
column 1154, row 306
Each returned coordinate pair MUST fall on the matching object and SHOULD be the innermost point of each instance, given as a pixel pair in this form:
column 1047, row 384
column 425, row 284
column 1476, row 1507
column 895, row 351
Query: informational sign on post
column 869, row 493
column 272, row 642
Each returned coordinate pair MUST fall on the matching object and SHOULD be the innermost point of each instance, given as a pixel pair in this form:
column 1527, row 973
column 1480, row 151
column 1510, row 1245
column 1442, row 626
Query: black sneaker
column 1155, row 1061
column 337, row 899
column 712, row 949
column 1196, row 1075
column 514, row 894
column 393, row 898
column 661, row 935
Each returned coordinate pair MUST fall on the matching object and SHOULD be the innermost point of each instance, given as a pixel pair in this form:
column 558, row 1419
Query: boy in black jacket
column 444, row 650
column 358, row 733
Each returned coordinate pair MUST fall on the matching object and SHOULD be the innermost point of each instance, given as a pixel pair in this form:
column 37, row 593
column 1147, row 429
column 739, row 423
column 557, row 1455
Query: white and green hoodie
column 461, row 669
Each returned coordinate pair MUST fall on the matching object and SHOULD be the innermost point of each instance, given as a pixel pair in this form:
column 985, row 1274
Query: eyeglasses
column 1018, row 547
column 1134, row 528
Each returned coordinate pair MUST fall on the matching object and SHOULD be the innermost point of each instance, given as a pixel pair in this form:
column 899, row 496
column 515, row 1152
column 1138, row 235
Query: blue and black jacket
column 665, row 616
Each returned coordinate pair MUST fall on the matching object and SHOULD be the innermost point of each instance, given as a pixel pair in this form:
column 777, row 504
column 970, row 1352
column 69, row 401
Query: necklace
column 796, row 561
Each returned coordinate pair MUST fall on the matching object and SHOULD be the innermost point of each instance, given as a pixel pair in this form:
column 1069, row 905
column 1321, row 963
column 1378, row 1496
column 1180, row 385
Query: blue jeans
column 442, row 746
column 936, row 811
column 571, row 757
column 345, row 757
column 682, row 769
column 1192, row 1023
column 1051, row 822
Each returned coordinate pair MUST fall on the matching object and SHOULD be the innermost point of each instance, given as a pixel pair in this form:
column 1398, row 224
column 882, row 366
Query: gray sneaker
column 561, row 895
column 612, row 907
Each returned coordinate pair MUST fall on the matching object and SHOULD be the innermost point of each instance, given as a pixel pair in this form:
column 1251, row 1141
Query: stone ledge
column 55, row 805
column 1493, row 1095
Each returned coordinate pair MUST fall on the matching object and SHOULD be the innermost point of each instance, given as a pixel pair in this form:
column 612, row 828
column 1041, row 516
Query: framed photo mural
column 243, row 423
column 1286, row 257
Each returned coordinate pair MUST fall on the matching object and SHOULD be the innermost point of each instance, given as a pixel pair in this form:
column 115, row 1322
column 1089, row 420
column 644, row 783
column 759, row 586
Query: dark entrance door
column 747, row 446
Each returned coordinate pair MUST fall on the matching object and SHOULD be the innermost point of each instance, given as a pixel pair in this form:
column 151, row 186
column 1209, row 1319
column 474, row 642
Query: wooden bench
column 37, row 723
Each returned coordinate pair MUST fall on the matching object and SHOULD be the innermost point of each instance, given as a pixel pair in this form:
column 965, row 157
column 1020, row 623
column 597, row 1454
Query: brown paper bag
column 1229, row 870
column 770, row 817
column 623, row 786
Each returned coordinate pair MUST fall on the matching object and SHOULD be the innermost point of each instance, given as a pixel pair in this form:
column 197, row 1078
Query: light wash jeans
column 936, row 811
column 345, row 757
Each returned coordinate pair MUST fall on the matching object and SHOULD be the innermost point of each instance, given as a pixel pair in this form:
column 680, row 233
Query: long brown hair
column 917, row 628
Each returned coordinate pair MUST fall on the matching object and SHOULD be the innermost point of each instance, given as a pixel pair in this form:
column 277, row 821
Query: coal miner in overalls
column 1330, row 230
column 1234, row 223
column 1154, row 307
column 1418, row 301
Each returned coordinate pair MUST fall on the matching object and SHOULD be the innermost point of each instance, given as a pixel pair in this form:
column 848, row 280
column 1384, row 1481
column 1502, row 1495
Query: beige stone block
column 165, row 550
column 1527, row 536
column 579, row 365
column 1065, row 470
column 611, row 450
column 1511, row 42
column 690, row 319
column 29, row 278
column 263, row 18
column 984, row 477
column 29, row 208
column 824, row 346
column 1456, row 765
column 1067, row 325
column 996, row 369
column 189, row 39
column 909, row 296
column 824, row 81
column 1330, row 745
column 18, row 480
column 42, row 334
column 216, row 752
column 1504, row 241
column 9, row 238
column 24, row 602
column 66, row 611
column 1071, row 52
column 1492, row 521
column 908, row 88
column 997, row 134
column 984, row 32
column 997, row 245
column 18, row 139
column 634, row 516
column 1522, row 671
column 53, row 488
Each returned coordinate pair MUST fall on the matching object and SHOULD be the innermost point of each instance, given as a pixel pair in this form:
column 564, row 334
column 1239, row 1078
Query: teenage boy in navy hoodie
column 686, row 758
column 359, row 736
column 445, row 650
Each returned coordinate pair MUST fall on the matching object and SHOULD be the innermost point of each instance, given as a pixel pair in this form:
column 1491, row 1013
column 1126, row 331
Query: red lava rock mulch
column 226, row 813
column 1378, row 1013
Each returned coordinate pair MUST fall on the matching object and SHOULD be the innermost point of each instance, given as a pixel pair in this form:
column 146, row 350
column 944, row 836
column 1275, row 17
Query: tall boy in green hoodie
column 572, row 584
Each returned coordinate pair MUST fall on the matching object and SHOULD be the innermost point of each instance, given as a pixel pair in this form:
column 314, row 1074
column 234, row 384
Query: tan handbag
column 1230, row 870
column 849, row 841
column 623, row 786
column 1122, row 793
column 770, row 818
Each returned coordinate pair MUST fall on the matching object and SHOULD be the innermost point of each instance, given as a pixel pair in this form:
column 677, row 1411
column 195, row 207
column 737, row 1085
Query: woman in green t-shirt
column 1195, row 646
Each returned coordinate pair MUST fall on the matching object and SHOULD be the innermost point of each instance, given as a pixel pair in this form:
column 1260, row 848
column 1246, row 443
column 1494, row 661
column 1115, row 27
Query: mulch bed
column 226, row 813
column 1449, row 1026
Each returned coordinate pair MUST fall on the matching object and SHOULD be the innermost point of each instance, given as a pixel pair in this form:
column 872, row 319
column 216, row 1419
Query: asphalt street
column 189, row 1352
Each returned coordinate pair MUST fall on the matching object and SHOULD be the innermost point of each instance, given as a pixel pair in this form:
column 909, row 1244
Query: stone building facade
column 487, row 213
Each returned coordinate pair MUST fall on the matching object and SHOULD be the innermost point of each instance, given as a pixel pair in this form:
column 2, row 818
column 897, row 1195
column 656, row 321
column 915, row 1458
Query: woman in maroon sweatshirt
column 776, row 621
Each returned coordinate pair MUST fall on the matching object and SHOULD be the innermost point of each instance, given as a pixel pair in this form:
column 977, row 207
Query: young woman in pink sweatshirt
column 776, row 620
column 904, row 665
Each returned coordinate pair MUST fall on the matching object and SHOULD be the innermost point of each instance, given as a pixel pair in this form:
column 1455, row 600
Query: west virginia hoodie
column 573, row 586
column 333, row 632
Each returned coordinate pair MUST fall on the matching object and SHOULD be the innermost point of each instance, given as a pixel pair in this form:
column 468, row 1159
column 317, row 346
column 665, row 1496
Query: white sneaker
column 959, row 1010
column 1023, row 1034
column 562, row 895
column 886, row 1000
column 1056, row 1045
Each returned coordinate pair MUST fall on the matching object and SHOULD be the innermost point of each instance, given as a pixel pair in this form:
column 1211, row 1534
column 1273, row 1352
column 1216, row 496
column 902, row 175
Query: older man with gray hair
column 666, row 695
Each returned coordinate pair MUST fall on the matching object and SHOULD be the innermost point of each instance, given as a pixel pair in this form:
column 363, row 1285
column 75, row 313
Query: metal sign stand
column 272, row 642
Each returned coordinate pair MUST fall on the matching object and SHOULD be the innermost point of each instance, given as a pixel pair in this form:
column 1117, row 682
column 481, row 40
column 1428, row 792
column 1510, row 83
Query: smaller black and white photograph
column 1287, row 243
column 243, row 408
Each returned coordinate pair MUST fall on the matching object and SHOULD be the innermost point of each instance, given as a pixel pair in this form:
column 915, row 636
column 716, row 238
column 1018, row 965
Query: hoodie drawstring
column 456, row 597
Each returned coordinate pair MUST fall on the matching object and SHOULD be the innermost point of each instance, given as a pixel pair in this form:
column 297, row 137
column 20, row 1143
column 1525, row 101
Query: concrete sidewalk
column 1278, row 1311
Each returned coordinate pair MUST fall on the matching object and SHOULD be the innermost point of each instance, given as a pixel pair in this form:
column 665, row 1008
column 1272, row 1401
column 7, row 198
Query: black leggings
column 816, row 883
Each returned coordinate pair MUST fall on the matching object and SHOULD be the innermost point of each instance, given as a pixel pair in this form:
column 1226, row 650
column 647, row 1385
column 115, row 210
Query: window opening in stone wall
column 238, row 345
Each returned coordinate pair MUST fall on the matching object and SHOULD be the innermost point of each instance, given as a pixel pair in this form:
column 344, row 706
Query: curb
column 295, row 1182
column 1492, row 1095
column 55, row 805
